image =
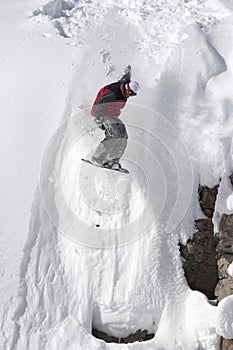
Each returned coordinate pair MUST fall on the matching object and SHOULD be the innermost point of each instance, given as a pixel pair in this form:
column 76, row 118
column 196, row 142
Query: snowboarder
column 106, row 110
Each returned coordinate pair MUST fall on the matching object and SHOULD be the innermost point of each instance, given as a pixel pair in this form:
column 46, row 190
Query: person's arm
column 100, row 107
column 101, row 104
column 126, row 77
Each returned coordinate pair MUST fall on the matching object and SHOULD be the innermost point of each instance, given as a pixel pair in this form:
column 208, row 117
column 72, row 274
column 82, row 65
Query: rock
column 200, row 265
column 56, row 8
column 139, row 336
column 207, row 199
column 209, row 212
column 223, row 264
column 206, row 257
column 200, row 256
column 226, row 344
column 204, row 225
column 225, row 250
column 224, row 288
column 225, row 235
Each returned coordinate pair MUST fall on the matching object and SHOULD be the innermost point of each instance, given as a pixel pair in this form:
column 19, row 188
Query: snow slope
column 125, row 273
column 35, row 74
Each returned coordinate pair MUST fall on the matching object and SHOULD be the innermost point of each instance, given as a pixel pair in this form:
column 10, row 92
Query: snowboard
column 122, row 170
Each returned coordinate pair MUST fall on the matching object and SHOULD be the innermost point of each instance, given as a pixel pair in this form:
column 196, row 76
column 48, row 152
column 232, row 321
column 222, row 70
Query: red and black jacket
column 110, row 100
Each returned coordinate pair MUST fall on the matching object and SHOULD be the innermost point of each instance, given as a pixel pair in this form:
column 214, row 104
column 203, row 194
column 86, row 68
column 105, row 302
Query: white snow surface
column 224, row 317
column 230, row 269
column 100, row 248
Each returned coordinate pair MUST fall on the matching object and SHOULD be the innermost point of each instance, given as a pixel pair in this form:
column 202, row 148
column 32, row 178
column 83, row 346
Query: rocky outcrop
column 207, row 198
column 199, row 255
column 226, row 344
column 199, row 259
column 139, row 336
column 225, row 257
column 206, row 257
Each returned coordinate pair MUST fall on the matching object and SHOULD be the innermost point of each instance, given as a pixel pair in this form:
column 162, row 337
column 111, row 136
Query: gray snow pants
column 114, row 144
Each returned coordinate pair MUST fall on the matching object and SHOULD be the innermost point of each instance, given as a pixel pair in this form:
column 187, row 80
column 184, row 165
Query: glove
column 99, row 122
column 126, row 77
column 128, row 69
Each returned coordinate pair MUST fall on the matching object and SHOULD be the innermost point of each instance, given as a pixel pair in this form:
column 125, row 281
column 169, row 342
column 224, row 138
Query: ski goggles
column 131, row 93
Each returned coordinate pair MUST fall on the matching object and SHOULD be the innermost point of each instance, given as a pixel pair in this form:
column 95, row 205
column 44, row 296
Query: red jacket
column 109, row 100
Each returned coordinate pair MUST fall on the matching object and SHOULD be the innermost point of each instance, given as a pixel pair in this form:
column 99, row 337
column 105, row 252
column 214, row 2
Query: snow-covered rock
column 56, row 8
column 225, row 318
column 230, row 269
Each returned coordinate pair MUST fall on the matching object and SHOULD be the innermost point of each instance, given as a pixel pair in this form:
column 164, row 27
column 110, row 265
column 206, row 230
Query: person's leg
column 114, row 128
column 100, row 156
column 118, row 141
column 118, row 147
column 112, row 148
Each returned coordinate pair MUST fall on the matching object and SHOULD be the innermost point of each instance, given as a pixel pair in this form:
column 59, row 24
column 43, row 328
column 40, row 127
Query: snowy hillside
column 100, row 249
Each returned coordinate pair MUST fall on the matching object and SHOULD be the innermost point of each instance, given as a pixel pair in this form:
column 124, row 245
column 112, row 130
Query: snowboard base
column 122, row 170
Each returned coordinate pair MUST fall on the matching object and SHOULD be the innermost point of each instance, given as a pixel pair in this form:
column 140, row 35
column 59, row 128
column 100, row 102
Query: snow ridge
column 161, row 22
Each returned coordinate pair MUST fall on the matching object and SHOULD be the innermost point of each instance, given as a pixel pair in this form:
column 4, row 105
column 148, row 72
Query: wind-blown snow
column 102, row 248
